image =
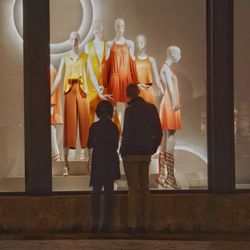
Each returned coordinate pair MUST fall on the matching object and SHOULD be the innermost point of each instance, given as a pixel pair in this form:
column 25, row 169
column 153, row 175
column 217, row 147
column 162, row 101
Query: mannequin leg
column 66, row 162
column 162, row 161
column 54, row 146
column 171, row 181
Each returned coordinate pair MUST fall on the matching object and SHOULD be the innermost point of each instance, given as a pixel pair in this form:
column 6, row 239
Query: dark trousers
column 136, row 168
column 108, row 201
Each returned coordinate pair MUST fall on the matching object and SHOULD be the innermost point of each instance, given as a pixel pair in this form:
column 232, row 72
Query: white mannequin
column 168, row 141
column 120, row 39
column 75, row 53
column 98, row 40
column 141, row 43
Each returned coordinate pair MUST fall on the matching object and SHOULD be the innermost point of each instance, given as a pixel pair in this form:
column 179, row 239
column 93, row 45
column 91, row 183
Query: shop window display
column 137, row 33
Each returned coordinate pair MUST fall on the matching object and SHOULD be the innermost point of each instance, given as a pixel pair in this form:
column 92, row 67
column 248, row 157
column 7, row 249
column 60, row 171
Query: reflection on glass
column 161, row 31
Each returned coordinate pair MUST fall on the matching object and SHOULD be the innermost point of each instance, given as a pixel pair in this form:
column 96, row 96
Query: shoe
column 95, row 228
column 132, row 230
column 65, row 171
column 143, row 230
column 104, row 228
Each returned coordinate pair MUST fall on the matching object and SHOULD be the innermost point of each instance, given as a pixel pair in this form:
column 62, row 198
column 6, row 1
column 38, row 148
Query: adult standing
column 141, row 137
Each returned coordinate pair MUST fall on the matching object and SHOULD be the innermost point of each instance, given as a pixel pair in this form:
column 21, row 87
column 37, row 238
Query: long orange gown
column 145, row 75
column 55, row 100
column 119, row 71
column 170, row 119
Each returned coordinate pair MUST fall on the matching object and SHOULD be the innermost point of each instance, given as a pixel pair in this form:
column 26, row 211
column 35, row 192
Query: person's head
column 132, row 91
column 74, row 39
column 141, row 42
column 97, row 27
column 119, row 26
column 174, row 52
column 104, row 110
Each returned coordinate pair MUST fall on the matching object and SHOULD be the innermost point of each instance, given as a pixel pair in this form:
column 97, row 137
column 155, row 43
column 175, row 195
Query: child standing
column 103, row 139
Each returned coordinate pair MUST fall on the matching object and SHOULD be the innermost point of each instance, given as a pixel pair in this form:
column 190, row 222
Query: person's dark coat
column 104, row 139
column 142, row 131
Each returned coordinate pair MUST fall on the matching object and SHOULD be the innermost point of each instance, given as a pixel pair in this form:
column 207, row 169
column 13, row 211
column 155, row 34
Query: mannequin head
column 97, row 28
column 119, row 26
column 141, row 42
column 74, row 39
column 174, row 53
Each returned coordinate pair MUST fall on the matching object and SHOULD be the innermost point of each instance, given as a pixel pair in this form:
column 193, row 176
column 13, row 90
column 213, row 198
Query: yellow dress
column 145, row 75
column 97, row 66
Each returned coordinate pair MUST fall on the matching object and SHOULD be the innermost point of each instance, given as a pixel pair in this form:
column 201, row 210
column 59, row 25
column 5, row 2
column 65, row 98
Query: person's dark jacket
column 142, row 130
column 104, row 139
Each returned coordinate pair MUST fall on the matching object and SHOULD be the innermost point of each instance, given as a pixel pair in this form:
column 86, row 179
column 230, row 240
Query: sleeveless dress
column 145, row 75
column 170, row 119
column 119, row 72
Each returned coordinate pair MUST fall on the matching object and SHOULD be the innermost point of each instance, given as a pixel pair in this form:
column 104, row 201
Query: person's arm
column 58, row 77
column 157, row 130
column 126, row 135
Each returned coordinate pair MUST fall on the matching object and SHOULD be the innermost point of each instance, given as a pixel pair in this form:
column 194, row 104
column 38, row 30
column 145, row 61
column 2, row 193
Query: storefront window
column 162, row 24
column 12, row 102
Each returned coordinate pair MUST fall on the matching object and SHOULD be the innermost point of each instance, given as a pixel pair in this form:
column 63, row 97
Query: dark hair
column 132, row 91
column 104, row 110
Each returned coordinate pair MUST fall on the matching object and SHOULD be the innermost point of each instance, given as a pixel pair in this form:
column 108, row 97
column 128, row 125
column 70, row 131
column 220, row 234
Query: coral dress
column 55, row 100
column 170, row 119
column 119, row 71
column 145, row 75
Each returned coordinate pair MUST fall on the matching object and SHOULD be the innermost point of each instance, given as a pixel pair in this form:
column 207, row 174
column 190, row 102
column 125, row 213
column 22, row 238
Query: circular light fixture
column 60, row 47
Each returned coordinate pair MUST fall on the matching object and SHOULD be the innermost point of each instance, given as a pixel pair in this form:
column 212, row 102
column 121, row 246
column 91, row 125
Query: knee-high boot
column 162, row 170
column 66, row 162
column 170, row 181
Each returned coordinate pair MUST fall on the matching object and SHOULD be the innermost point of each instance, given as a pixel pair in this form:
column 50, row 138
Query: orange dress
column 170, row 119
column 119, row 71
column 55, row 100
column 145, row 75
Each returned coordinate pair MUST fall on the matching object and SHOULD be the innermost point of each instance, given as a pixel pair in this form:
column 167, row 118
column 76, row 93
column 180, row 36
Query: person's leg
column 144, row 192
column 132, row 174
column 108, row 205
column 96, row 206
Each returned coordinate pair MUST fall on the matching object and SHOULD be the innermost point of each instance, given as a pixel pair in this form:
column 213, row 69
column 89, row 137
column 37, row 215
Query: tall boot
column 162, row 170
column 66, row 162
column 170, row 181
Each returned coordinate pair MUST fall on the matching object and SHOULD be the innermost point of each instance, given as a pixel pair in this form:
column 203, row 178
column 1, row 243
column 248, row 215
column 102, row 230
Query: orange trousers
column 76, row 113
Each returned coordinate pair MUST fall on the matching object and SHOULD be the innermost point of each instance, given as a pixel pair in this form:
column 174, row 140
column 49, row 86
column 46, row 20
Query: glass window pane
column 11, row 96
column 242, row 93
column 164, row 23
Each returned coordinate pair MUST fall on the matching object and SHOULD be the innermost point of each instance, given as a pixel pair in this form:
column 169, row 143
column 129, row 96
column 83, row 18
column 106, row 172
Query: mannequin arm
column 170, row 87
column 86, row 49
column 58, row 77
column 131, row 48
column 156, row 74
column 93, row 79
column 108, row 48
